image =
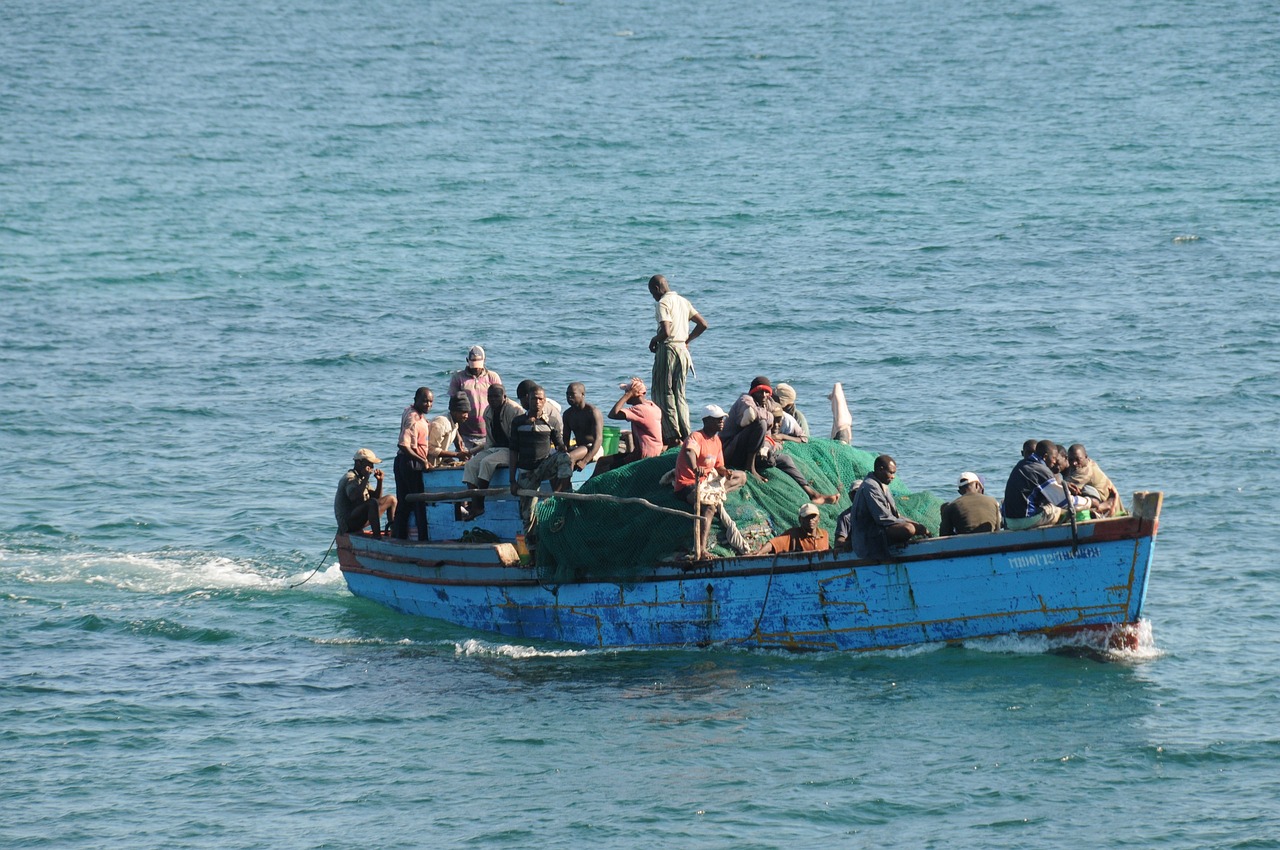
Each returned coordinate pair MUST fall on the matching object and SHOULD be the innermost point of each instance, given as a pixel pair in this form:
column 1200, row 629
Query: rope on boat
column 318, row 566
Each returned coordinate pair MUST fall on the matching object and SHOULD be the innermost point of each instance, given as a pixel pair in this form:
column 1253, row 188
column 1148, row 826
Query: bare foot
column 819, row 499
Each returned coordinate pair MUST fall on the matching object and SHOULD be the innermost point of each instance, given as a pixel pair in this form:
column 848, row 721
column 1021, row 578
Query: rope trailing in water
column 319, row 565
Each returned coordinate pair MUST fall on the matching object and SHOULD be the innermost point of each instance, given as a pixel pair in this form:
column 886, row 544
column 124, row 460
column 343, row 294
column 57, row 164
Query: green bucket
column 609, row 440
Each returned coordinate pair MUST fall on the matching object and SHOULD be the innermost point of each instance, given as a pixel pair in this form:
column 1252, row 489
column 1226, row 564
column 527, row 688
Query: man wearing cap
column 973, row 513
column 806, row 537
column 475, row 381
column 671, row 360
column 700, row 456
column 877, row 525
column 445, row 431
column 794, row 423
column 411, row 460
column 355, row 505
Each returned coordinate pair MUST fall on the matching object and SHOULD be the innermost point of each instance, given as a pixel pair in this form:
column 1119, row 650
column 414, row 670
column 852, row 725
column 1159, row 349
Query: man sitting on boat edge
column 1033, row 496
column 876, row 522
column 355, row 505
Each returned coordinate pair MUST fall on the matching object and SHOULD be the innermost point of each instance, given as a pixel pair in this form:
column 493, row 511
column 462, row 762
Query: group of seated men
column 872, row 525
column 542, row 441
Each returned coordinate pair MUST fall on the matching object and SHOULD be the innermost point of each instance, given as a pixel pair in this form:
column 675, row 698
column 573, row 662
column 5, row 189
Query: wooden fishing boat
column 1080, row 584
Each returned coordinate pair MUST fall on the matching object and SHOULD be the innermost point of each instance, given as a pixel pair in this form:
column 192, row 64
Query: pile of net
column 597, row 540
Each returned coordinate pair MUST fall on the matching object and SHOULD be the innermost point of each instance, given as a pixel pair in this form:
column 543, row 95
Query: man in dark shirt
column 355, row 505
column 537, row 454
column 1033, row 496
column 974, row 512
column 877, row 525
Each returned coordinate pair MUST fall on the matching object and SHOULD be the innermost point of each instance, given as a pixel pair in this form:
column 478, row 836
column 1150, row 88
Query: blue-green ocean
column 235, row 236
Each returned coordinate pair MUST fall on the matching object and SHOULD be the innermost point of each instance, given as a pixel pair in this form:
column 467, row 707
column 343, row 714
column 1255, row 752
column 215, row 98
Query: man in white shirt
column 671, row 360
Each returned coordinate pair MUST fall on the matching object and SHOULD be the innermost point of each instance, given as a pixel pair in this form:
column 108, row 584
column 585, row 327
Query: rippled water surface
column 235, row 237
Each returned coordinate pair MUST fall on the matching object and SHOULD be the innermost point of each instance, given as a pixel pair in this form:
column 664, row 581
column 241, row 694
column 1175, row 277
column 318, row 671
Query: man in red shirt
column 702, row 479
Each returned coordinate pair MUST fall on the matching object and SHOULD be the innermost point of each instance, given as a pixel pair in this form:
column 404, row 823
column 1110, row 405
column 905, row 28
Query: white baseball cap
column 713, row 411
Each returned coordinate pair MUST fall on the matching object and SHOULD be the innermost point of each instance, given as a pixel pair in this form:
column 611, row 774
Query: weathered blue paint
column 949, row 589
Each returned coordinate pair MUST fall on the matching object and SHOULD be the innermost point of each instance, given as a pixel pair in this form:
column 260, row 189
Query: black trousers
column 408, row 482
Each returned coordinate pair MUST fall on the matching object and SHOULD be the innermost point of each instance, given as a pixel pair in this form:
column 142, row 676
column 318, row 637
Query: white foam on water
column 157, row 572
column 1098, row 643
column 480, row 648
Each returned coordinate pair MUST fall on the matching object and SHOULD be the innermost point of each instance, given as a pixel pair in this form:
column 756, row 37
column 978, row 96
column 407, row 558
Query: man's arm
column 615, row 412
column 700, row 325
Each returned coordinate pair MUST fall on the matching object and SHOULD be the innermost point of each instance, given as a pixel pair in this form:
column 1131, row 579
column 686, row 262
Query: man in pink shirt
column 646, row 427
column 411, row 460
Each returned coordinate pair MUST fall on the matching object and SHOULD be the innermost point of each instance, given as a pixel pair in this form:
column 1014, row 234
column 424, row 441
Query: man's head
column 760, row 390
column 885, row 470
column 658, row 287
column 475, row 360
column 522, row 389
column 576, row 395
column 1045, row 449
column 459, row 407
column 535, row 399
column 1077, row 457
column 809, row 516
column 496, row 395
column 713, row 417
column 423, row 399
column 1028, row 448
column 784, row 394
column 364, row 461
column 970, row 483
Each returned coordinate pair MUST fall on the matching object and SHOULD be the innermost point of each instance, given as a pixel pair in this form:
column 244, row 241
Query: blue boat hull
column 1058, row 581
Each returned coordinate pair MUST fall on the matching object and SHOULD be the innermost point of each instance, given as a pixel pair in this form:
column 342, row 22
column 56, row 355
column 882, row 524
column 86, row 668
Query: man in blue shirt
column 1033, row 495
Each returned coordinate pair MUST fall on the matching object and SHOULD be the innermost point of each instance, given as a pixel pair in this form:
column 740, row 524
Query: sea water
column 235, row 237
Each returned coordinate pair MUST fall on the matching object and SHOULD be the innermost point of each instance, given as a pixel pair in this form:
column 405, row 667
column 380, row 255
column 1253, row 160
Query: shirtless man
column 584, row 424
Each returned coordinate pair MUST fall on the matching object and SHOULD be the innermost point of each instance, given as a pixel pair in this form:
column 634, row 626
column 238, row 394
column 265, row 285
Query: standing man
column 876, row 522
column 411, row 461
column 443, row 431
column 475, row 381
column 973, row 513
column 355, row 505
column 671, row 360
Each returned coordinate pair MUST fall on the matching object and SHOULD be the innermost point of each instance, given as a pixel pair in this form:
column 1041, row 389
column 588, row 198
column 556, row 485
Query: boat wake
column 163, row 572
column 1126, row 644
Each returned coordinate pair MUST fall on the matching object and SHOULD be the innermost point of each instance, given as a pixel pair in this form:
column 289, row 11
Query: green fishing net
column 580, row 540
